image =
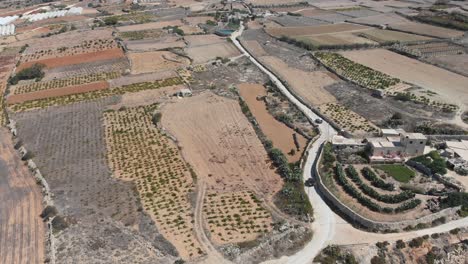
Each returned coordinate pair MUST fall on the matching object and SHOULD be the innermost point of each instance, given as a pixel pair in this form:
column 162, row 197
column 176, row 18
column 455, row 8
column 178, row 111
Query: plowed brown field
column 76, row 59
column 280, row 134
column 21, row 229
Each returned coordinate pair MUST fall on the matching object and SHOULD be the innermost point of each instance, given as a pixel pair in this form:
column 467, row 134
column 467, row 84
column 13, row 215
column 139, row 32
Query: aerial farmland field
column 448, row 86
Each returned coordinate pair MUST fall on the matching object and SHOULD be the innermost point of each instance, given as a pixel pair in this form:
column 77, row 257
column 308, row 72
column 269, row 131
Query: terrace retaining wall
column 371, row 224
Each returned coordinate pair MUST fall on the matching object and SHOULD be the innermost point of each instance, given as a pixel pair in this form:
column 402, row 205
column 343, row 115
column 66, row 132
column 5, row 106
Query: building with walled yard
column 396, row 146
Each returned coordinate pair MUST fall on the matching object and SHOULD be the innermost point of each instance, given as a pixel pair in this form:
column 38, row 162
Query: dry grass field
column 345, row 38
column 381, row 36
column 425, row 29
column 163, row 179
column 119, row 65
column 7, row 65
column 22, row 231
column 76, row 59
column 151, row 25
column 348, row 120
column 155, row 44
column 308, row 85
column 314, row 30
column 448, row 86
column 280, row 134
column 145, row 62
column 255, row 47
column 221, row 145
column 235, row 217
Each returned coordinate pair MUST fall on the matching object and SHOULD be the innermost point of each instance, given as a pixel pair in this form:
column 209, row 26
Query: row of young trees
column 376, row 181
column 367, row 202
column 386, row 198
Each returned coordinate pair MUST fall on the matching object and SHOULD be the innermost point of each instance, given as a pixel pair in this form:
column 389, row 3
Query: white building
column 396, row 147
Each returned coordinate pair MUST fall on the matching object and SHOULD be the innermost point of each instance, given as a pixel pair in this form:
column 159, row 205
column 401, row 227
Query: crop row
column 137, row 151
column 366, row 189
column 236, row 216
column 367, row 202
column 347, row 119
column 69, row 99
column 376, row 181
column 84, row 47
column 358, row 73
column 76, row 80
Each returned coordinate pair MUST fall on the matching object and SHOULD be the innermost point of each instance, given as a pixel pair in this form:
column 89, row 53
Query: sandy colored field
column 450, row 87
column 308, row 85
column 202, row 54
column 152, row 25
column 20, row 98
column 154, row 61
column 335, row 39
column 235, row 217
column 147, row 97
column 348, row 120
column 149, row 45
column 144, row 77
column 22, row 232
column 419, row 28
column 162, row 179
column 280, row 134
column 188, row 29
column 380, row 35
column 76, row 59
column 272, row 2
column 315, row 30
column 221, row 145
column 201, row 40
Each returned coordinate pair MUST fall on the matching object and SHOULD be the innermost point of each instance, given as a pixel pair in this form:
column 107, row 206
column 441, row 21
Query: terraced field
column 77, row 80
column 163, row 179
column 73, row 98
column 348, row 120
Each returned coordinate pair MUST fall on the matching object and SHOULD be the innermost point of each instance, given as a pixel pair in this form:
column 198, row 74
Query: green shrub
column 33, row 72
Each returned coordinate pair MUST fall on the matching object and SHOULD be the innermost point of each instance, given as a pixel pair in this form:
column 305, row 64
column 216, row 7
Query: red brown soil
column 280, row 134
column 21, row 229
column 76, row 59
column 20, row 98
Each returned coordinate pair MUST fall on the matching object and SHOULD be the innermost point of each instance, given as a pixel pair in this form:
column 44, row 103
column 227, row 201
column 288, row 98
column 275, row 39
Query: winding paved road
column 326, row 221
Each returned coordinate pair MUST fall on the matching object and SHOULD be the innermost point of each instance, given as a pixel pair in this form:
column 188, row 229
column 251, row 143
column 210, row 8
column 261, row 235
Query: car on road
column 318, row 121
column 309, row 182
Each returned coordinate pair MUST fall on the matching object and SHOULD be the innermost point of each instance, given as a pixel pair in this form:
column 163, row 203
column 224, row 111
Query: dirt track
column 21, row 229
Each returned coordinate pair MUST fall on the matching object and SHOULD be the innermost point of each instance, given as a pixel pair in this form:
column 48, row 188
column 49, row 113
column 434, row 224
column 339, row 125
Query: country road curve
column 324, row 224
column 327, row 223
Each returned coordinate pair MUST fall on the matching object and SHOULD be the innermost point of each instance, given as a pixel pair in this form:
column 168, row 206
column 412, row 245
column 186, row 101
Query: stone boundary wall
column 371, row 224
column 47, row 194
column 447, row 137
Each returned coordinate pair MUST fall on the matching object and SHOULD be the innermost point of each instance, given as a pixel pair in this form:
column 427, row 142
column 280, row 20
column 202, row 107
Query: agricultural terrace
column 235, row 217
column 360, row 74
column 400, row 173
column 76, row 80
column 366, row 193
column 86, row 46
column 447, row 86
column 76, row 59
column 144, row 62
column 384, row 36
column 7, row 64
column 142, row 34
column 74, row 98
column 137, row 151
column 347, row 119
column 283, row 137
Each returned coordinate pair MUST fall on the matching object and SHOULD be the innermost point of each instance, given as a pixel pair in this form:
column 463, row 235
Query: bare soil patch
column 202, row 54
column 308, row 85
column 254, row 47
column 154, row 61
column 382, row 35
column 158, row 44
column 221, row 145
column 201, row 40
column 144, row 77
column 279, row 133
column 22, row 232
column 76, row 59
column 425, row 29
